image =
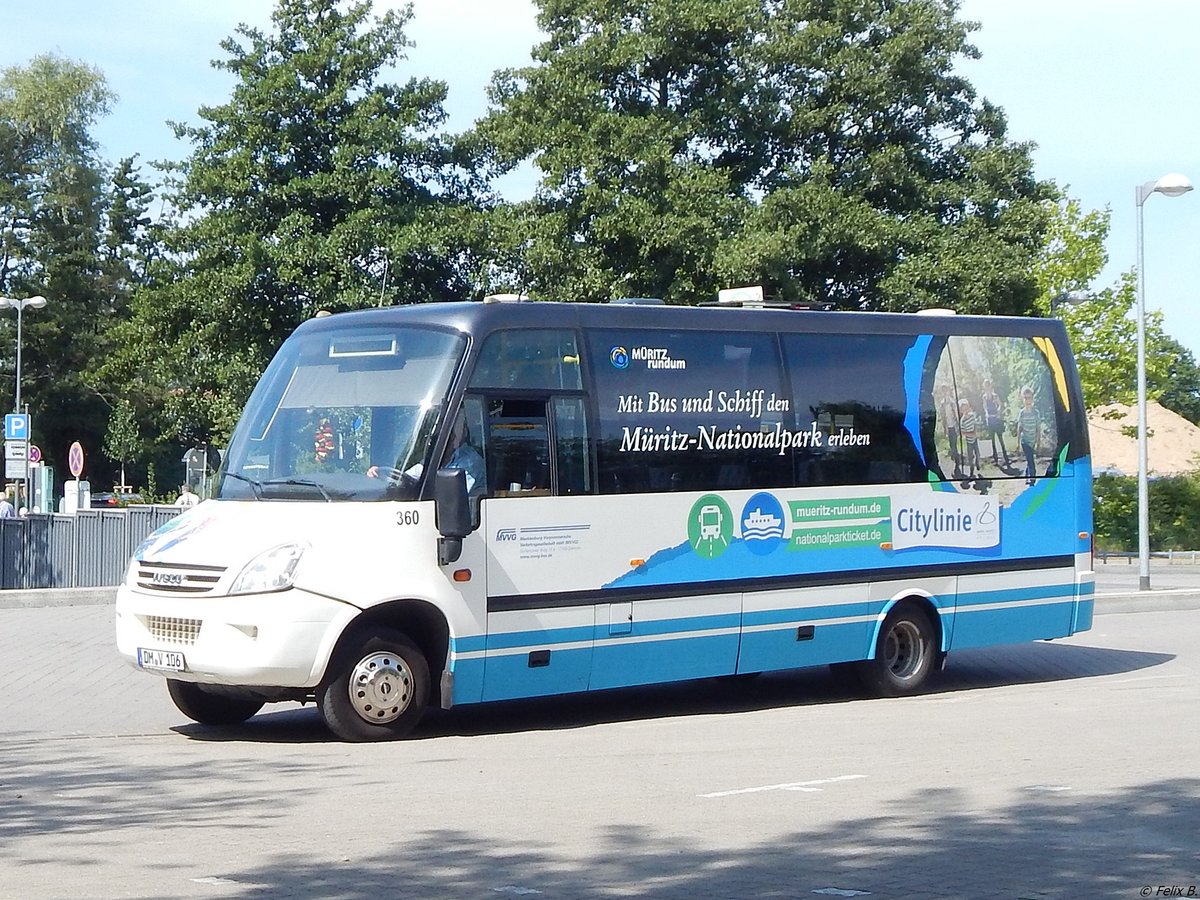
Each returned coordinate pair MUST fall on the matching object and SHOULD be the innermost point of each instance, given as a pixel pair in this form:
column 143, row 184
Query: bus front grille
column 178, row 579
column 174, row 631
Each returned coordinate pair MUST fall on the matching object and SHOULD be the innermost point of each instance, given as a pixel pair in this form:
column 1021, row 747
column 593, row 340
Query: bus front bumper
column 282, row 639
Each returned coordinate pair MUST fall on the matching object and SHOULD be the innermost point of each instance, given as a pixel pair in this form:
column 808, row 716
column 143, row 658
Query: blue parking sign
column 16, row 427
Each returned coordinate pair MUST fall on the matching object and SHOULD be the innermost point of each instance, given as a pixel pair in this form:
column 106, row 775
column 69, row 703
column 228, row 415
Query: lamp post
column 36, row 302
column 19, row 305
column 1173, row 185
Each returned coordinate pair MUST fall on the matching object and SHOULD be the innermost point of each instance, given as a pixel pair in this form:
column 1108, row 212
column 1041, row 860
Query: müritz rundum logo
column 619, row 357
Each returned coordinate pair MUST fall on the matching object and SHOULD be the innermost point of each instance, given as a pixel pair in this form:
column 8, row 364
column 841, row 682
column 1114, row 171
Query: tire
column 211, row 707
column 377, row 686
column 904, row 655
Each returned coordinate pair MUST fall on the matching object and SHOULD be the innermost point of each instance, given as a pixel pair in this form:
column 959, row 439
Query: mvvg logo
column 506, row 534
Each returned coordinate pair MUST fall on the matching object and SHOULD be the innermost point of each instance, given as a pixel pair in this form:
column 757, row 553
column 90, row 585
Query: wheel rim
column 904, row 650
column 381, row 687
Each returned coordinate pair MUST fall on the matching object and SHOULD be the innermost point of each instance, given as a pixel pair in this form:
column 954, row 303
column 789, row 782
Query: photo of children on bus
column 995, row 414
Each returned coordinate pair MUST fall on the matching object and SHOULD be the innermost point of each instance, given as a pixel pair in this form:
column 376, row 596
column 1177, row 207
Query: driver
column 460, row 454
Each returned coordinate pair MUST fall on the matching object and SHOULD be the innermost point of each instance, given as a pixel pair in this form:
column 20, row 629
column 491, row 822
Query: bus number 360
column 408, row 517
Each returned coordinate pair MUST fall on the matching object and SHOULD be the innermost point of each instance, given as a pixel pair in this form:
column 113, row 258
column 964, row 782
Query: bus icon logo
column 619, row 357
column 710, row 526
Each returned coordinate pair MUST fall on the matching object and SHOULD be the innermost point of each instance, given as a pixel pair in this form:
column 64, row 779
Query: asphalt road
column 1064, row 769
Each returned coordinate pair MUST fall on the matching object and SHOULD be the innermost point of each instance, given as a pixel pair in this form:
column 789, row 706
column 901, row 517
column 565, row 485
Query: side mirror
column 452, row 513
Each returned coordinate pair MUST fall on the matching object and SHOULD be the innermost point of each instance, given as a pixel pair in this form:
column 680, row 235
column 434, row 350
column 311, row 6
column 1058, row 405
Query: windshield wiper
column 255, row 485
column 297, row 482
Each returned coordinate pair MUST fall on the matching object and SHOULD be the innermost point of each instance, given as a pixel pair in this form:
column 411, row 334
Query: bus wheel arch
column 379, row 678
column 906, row 649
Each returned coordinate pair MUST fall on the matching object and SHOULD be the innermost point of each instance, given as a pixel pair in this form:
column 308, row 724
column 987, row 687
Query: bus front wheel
column 211, row 707
column 904, row 655
column 377, row 687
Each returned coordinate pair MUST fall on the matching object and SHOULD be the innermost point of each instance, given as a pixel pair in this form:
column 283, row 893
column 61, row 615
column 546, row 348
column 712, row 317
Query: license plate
column 168, row 660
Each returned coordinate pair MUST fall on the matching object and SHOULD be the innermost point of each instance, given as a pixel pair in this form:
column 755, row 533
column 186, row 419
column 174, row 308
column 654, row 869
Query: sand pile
column 1172, row 444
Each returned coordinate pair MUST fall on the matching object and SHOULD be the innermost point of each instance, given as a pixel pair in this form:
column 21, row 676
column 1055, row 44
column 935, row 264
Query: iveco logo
column 167, row 578
column 506, row 534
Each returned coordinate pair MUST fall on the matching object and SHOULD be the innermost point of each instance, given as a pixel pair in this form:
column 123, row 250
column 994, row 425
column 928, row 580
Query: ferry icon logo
column 762, row 523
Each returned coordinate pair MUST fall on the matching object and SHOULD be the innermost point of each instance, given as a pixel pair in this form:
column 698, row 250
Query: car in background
column 109, row 500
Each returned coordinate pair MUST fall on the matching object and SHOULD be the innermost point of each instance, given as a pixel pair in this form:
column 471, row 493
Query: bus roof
column 480, row 318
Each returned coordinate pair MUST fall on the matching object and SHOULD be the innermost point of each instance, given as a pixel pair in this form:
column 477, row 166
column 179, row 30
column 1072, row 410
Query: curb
column 44, row 597
column 1146, row 601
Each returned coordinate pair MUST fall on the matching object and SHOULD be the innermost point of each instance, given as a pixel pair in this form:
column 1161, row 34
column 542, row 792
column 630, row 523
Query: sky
column 1105, row 89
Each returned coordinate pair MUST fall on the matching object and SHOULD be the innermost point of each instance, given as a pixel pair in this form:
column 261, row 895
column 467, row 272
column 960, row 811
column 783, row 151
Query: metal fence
column 91, row 548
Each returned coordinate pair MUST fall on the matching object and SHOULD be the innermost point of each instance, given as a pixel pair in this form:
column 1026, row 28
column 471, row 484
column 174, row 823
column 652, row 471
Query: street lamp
column 19, row 305
column 1173, row 185
column 1068, row 298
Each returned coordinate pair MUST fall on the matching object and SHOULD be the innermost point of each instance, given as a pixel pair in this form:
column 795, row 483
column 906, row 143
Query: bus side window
column 572, row 453
column 529, row 359
column 518, row 446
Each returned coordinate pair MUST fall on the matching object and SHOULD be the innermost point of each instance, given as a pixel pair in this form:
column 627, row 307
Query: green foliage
column 123, row 441
column 53, row 203
column 1181, row 387
column 1103, row 329
column 1173, row 522
column 824, row 148
column 315, row 187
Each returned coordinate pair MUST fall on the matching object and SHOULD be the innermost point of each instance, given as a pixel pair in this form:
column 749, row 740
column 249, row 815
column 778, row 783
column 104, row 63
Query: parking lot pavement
column 1050, row 770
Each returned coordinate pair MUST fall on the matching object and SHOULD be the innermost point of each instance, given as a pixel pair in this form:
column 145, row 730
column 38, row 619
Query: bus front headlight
column 272, row 570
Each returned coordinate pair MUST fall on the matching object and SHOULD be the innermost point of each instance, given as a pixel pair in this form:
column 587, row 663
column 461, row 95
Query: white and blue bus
column 455, row 503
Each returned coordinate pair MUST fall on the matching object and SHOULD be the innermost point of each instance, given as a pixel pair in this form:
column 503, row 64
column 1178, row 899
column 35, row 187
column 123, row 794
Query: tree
column 1102, row 329
column 52, row 207
column 1181, row 387
column 123, row 442
column 824, row 148
column 315, row 187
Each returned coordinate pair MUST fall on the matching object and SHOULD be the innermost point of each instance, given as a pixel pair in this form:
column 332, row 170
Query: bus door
column 540, row 607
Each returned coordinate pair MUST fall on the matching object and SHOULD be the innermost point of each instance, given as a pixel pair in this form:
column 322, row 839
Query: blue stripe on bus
column 804, row 613
column 1016, row 595
column 694, row 624
column 468, row 643
column 509, row 640
column 698, row 625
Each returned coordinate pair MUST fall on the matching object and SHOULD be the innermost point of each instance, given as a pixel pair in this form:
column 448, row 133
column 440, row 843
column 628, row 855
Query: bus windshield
column 342, row 415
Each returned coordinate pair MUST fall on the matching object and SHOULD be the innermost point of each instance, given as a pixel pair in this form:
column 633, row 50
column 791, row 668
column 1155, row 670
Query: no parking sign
column 75, row 459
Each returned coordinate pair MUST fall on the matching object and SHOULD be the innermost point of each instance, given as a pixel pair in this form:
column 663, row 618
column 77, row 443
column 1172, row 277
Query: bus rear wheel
column 211, row 707
column 377, row 687
column 904, row 655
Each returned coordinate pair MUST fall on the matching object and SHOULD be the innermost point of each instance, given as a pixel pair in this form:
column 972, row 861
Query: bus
column 453, row 503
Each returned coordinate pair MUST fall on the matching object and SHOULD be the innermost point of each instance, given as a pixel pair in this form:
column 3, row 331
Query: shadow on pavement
column 992, row 667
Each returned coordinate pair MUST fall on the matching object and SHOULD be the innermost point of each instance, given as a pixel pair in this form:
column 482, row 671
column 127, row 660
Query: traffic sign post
column 75, row 459
column 16, row 459
column 16, row 427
